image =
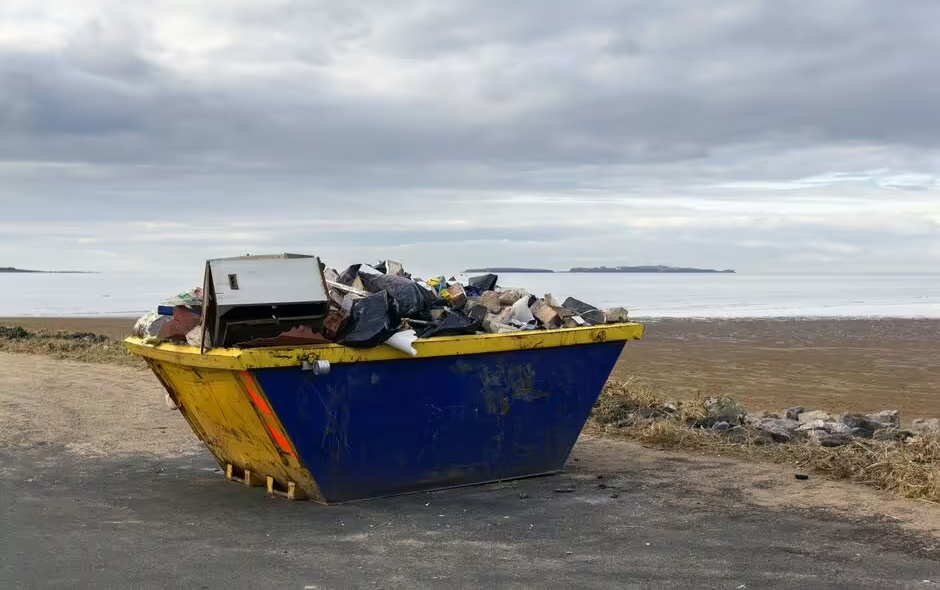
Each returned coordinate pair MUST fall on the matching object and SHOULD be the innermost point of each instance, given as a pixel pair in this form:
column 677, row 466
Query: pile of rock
column 725, row 415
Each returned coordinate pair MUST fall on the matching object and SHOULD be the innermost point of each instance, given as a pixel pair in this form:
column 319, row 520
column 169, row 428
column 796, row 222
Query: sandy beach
column 835, row 365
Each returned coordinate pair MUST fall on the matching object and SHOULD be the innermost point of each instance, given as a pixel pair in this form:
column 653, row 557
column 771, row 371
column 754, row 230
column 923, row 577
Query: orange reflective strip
column 281, row 440
column 270, row 422
column 250, row 386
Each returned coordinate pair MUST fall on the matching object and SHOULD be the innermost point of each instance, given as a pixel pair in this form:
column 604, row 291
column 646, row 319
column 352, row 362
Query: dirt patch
column 90, row 409
column 743, row 483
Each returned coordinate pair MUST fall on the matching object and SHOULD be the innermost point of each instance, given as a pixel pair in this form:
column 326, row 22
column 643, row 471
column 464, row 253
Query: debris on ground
column 872, row 449
column 620, row 407
column 363, row 306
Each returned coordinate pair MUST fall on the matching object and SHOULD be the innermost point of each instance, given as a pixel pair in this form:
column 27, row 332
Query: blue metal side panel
column 380, row 428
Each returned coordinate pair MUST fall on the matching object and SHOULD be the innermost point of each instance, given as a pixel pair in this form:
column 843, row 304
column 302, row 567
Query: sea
column 740, row 295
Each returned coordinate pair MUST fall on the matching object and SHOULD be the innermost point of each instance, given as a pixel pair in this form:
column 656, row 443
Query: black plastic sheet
column 372, row 321
column 455, row 324
column 483, row 282
column 414, row 301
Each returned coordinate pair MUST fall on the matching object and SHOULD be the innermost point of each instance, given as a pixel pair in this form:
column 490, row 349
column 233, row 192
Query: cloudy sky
column 758, row 135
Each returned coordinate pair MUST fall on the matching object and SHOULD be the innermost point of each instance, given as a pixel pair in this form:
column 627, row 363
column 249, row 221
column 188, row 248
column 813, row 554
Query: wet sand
column 835, row 365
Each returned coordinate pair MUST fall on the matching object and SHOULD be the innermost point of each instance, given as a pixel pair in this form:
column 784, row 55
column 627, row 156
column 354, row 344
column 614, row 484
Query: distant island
column 10, row 269
column 603, row 269
column 506, row 269
column 649, row 269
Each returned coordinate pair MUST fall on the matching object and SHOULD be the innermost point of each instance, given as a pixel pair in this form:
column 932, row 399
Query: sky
column 787, row 136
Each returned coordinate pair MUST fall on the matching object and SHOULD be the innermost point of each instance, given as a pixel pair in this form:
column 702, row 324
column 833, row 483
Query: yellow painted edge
column 264, row 358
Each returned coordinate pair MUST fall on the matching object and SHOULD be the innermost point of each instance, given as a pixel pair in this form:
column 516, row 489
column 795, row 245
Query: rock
column 862, row 426
column 508, row 297
column 926, row 426
column 670, row 407
column 794, row 412
column 546, row 316
column 492, row 325
column 738, row 434
column 491, row 300
column 763, row 437
column 816, row 415
column 575, row 321
column 752, row 418
column 617, row 315
column 825, row 426
column 721, row 427
column 832, row 439
column 779, row 429
column 887, row 417
column 725, row 409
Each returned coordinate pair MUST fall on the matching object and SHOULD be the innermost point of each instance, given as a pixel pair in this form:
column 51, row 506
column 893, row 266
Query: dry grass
column 87, row 348
column 910, row 469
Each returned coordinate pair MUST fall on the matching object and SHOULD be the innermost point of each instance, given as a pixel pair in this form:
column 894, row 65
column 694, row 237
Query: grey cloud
column 600, row 110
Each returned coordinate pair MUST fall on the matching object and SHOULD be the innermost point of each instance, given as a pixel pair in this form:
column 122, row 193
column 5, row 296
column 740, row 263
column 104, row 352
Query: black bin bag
column 455, row 324
column 414, row 301
column 371, row 321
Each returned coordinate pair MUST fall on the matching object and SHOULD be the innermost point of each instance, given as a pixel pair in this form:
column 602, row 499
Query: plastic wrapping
column 372, row 321
column 455, row 324
column 413, row 301
column 484, row 282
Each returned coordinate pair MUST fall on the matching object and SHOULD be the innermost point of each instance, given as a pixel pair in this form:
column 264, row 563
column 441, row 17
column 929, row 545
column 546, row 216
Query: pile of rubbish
column 177, row 319
column 370, row 305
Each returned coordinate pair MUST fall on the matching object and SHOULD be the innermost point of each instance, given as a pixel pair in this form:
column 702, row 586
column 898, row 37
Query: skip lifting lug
column 318, row 367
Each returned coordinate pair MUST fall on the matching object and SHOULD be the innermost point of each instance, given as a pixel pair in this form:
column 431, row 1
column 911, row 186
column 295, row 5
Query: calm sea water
column 645, row 295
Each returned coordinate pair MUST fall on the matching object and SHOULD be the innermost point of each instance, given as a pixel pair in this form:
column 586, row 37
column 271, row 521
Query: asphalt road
column 141, row 522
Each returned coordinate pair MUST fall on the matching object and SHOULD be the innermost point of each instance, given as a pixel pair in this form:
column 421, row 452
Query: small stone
column 861, row 426
column 615, row 496
column 721, row 427
column 725, row 409
column 752, row 418
column 779, row 429
column 926, row 426
column 825, row 426
column 801, row 476
column 602, row 486
column 815, row 415
column 794, row 412
column 670, row 407
column 738, row 434
column 546, row 316
column 617, row 315
column 491, row 300
column 887, row 417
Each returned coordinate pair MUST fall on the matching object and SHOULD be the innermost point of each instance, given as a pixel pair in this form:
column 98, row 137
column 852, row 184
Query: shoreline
column 836, row 365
